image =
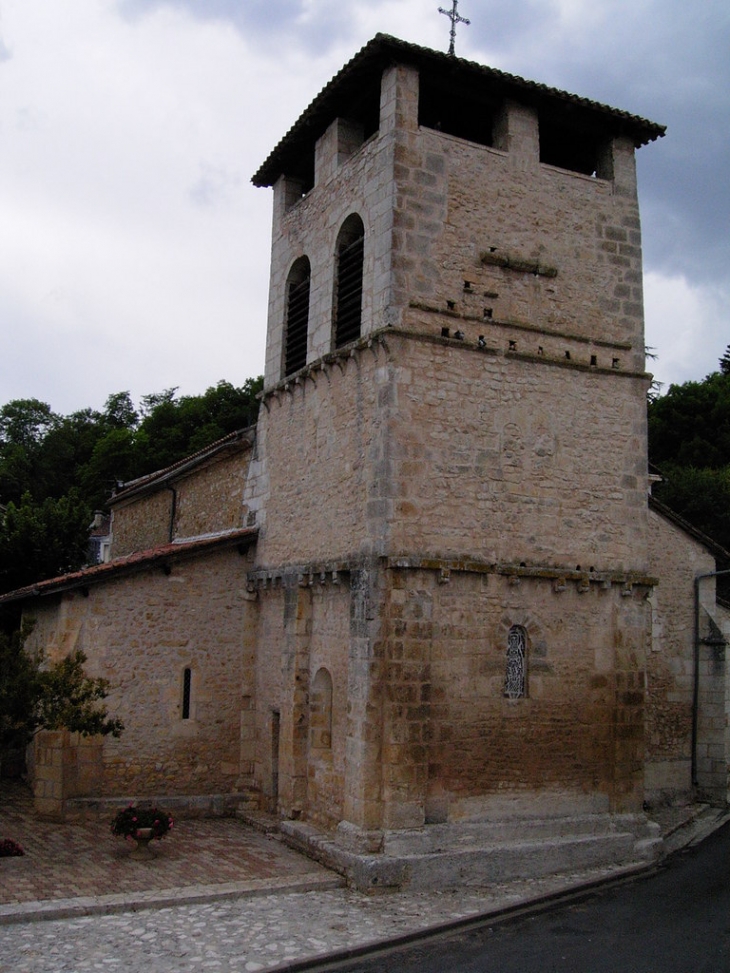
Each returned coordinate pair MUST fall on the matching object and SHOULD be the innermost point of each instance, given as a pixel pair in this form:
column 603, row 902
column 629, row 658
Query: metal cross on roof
column 455, row 19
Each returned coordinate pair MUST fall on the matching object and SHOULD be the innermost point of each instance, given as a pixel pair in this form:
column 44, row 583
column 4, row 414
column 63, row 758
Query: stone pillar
column 517, row 132
column 406, row 701
column 631, row 637
column 362, row 803
column 65, row 765
column 294, row 714
column 399, row 100
column 247, row 763
column 623, row 168
column 338, row 143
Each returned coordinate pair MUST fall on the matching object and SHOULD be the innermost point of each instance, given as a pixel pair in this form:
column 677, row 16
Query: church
column 428, row 599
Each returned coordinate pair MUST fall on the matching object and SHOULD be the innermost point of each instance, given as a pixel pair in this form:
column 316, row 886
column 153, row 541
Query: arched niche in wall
column 320, row 695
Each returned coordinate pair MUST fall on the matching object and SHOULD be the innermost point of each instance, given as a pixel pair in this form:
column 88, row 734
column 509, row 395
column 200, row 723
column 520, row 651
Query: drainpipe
column 696, row 675
column 173, row 512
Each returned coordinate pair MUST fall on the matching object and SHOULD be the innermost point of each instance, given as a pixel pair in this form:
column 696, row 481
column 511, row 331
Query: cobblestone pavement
column 264, row 932
column 218, row 897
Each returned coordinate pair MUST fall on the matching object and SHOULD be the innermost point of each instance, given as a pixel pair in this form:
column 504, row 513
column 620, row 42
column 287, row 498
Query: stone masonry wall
column 497, row 239
column 300, row 762
column 326, row 465
column 452, row 742
column 63, row 766
column 140, row 633
column 515, row 461
column 211, row 499
column 142, row 524
column 207, row 501
column 677, row 559
column 360, row 184
column 419, row 446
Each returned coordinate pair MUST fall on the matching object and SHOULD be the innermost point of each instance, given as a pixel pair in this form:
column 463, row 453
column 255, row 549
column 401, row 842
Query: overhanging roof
column 366, row 67
column 160, row 556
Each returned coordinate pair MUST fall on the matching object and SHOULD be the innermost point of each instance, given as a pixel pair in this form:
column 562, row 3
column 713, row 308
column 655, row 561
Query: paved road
column 675, row 921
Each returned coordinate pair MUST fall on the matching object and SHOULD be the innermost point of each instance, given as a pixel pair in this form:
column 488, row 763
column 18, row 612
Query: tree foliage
column 59, row 696
column 55, row 471
column 689, row 442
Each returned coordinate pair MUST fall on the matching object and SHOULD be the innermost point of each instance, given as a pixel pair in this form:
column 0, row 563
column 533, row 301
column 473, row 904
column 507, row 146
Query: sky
column 134, row 250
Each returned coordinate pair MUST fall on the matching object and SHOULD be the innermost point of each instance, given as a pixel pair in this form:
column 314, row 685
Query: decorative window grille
column 348, row 283
column 515, row 681
column 297, row 316
column 186, row 687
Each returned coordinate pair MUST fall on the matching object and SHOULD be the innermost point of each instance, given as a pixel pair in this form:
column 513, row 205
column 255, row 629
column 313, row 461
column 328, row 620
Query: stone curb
column 569, row 893
column 90, row 905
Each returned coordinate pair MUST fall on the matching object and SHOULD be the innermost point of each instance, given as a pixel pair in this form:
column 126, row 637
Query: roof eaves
column 384, row 49
column 242, row 537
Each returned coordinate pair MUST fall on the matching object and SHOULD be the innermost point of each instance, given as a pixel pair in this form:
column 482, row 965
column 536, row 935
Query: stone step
column 474, row 857
column 488, row 865
column 458, row 836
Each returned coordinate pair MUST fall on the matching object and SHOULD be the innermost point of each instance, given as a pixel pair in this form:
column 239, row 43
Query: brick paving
column 64, row 861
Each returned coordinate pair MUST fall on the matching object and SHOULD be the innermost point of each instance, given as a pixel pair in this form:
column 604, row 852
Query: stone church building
column 428, row 598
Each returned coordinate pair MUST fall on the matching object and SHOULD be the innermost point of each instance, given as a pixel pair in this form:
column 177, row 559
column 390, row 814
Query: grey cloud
column 278, row 21
column 214, row 185
column 248, row 16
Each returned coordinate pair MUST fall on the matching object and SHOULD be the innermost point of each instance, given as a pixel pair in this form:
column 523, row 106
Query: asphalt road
column 676, row 920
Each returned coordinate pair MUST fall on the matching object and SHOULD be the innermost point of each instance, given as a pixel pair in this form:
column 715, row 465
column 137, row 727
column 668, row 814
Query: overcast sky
column 133, row 248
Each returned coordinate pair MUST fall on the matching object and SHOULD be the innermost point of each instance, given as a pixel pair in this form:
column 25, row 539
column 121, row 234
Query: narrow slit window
column 348, row 281
column 297, row 316
column 186, row 687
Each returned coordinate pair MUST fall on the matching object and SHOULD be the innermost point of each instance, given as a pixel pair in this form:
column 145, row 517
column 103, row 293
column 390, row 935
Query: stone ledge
column 182, row 806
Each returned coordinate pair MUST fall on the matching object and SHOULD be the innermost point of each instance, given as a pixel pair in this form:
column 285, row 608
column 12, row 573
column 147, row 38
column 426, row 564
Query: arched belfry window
column 297, row 316
column 348, row 281
column 515, row 683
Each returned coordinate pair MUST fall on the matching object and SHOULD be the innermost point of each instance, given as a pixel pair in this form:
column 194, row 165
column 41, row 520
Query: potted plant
column 142, row 825
column 10, row 849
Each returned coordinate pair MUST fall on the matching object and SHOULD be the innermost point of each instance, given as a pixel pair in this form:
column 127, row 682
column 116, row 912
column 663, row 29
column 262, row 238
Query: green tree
column 689, row 442
column 56, row 470
column 54, row 697
column 690, row 425
column 725, row 362
column 42, row 540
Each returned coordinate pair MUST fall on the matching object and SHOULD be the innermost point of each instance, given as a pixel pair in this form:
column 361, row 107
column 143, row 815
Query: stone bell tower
column 452, row 450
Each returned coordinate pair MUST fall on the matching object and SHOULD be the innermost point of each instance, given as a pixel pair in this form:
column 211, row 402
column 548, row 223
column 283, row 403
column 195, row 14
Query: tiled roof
column 133, row 563
column 240, row 439
column 365, row 68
